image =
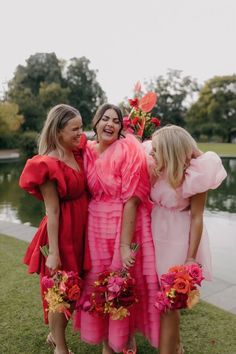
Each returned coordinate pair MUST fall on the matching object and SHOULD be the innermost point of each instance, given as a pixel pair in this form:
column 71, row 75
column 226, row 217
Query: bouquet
column 140, row 121
column 179, row 287
column 113, row 294
column 61, row 289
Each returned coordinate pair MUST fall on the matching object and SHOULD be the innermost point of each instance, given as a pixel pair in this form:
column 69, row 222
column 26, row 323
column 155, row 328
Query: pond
column 19, row 207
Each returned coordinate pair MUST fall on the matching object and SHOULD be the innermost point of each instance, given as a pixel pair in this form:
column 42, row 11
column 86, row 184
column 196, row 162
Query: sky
column 125, row 40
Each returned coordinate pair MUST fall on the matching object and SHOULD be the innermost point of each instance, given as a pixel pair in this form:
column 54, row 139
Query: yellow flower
column 193, row 298
column 119, row 314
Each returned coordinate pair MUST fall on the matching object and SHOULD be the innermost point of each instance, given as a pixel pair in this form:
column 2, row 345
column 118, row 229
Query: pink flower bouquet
column 179, row 288
column 113, row 294
column 61, row 290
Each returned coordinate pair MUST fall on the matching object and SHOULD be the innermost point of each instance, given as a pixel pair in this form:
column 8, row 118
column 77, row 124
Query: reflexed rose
column 155, row 121
column 148, row 101
column 167, row 279
column 196, row 273
column 47, row 282
column 162, row 302
column 181, row 285
column 74, row 293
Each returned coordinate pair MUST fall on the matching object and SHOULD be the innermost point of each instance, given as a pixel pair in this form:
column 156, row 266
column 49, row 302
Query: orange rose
column 182, row 285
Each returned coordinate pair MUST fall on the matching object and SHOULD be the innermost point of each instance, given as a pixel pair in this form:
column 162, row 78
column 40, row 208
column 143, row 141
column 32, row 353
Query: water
column 19, row 207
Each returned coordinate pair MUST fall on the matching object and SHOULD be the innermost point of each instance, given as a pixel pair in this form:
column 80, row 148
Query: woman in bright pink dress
column 56, row 176
column 183, row 175
column 119, row 213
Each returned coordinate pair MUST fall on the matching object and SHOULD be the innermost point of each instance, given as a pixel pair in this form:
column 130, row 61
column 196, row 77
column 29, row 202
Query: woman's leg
column 106, row 349
column 57, row 324
column 169, row 334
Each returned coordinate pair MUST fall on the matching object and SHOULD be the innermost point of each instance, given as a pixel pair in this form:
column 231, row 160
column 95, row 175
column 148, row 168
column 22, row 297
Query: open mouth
column 108, row 131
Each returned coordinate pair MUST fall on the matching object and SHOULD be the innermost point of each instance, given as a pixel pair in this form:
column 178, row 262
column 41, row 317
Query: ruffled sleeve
column 204, row 173
column 37, row 171
column 134, row 174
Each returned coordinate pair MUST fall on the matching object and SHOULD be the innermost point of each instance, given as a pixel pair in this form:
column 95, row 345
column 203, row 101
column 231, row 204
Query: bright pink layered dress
column 171, row 214
column 115, row 176
column 71, row 188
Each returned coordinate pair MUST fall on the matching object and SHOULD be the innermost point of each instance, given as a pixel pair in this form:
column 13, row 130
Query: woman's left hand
column 126, row 256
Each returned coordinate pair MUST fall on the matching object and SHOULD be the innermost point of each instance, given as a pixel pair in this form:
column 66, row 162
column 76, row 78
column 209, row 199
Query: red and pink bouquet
column 113, row 294
column 61, row 290
column 179, row 288
column 140, row 121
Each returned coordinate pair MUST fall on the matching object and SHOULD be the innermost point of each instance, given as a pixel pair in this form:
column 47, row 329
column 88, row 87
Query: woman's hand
column 53, row 262
column 127, row 257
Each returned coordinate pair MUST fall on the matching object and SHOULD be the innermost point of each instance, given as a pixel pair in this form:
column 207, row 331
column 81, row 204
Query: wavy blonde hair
column 57, row 119
column 173, row 147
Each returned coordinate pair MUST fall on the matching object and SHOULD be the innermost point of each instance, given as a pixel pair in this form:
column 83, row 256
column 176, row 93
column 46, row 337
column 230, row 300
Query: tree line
column 208, row 111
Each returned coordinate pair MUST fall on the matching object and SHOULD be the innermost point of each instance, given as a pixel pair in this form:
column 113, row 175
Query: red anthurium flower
column 135, row 120
column 155, row 121
column 148, row 101
column 134, row 102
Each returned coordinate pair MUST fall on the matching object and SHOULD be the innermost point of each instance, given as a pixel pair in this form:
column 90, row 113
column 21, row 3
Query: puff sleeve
column 37, row 171
column 204, row 173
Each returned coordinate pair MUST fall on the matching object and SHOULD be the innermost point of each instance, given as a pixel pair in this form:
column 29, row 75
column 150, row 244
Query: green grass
column 205, row 329
column 220, row 148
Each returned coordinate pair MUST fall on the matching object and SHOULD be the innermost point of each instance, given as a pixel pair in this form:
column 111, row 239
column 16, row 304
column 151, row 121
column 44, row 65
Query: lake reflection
column 18, row 206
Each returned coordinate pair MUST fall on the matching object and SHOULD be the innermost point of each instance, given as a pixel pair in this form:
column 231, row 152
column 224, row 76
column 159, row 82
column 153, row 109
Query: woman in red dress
column 56, row 176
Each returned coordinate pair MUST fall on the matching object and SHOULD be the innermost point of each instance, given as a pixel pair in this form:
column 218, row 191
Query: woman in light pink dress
column 183, row 175
column 119, row 213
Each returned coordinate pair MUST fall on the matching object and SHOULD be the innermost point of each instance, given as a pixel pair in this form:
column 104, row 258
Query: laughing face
column 108, row 127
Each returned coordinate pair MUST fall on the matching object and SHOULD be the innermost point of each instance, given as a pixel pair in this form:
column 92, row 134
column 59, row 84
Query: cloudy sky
column 125, row 40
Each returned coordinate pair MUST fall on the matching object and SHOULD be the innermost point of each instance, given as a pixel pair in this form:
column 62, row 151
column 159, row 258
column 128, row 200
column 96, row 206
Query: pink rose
column 115, row 283
column 162, row 302
column 196, row 273
column 47, row 282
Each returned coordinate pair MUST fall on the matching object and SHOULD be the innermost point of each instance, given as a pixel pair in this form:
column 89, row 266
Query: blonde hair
column 172, row 148
column 57, row 119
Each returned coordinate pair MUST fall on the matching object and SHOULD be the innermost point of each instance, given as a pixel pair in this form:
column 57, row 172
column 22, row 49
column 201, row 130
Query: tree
column 213, row 116
column 174, row 94
column 46, row 81
column 10, row 119
column 85, row 93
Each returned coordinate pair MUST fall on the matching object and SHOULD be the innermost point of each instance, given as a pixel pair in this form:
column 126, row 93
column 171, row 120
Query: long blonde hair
column 57, row 119
column 173, row 147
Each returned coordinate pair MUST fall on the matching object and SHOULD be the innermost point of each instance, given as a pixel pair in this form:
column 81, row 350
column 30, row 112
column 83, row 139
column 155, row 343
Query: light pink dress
column 171, row 220
column 113, row 177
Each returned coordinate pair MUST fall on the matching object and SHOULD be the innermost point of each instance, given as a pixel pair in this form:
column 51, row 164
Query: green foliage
column 28, row 143
column 46, row 81
column 174, row 92
column 10, row 119
column 214, row 113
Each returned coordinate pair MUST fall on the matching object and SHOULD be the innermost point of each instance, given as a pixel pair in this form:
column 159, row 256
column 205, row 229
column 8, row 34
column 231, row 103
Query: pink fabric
column 171, row 225
column 113, row 177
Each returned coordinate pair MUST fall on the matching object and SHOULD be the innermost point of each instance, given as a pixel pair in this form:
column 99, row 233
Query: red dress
column 71, row 188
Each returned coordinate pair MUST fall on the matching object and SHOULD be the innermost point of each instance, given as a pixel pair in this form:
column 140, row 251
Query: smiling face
column 108, row 127
column 69, row 136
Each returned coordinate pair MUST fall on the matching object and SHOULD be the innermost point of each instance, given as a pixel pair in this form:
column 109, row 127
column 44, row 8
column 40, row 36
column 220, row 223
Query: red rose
column 156, row 121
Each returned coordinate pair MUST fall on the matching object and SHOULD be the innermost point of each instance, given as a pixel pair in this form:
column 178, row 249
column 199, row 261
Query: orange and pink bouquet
column 140, row 121
column 61, row 290
column 179, row 288
column 113, row 293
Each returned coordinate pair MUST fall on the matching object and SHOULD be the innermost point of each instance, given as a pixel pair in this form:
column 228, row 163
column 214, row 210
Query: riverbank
column 8, row 154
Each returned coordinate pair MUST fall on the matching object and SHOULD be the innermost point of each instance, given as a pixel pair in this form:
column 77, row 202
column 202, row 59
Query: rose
column 167, row 279
column 155, row 121
column 181, row 285
column 47, row 282
column 114, row 284
column 74, row 293
column 196, row 273
column 162, row 302
column 87, row 305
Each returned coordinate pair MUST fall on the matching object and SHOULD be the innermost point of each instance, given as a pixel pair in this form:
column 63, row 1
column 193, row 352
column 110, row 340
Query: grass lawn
column 205, row 329
column 220, row 148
